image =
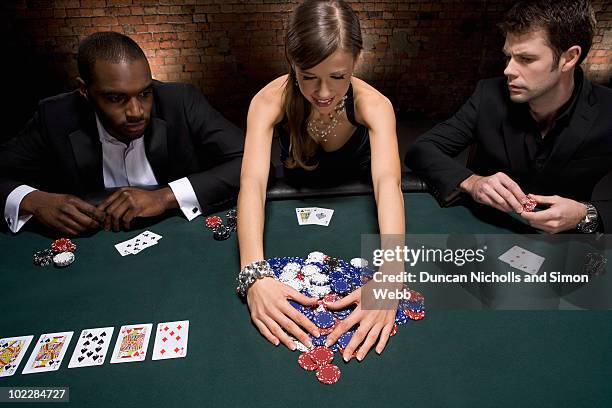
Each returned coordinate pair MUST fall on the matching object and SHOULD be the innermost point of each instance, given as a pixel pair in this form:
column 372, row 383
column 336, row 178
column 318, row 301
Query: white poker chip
column 310, row 270
column 299, row 346
column 63, row 259
column 320, row 291
column 293, row 267
column 319, row 279
column 359, row 263
column 315, row 256
column 287, row 276
column 296, row 284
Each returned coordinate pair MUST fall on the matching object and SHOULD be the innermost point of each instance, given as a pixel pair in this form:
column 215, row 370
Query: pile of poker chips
column 60, row 254
column 329, row 279
column 320, row 359
column 530, row 204
column 222, row 231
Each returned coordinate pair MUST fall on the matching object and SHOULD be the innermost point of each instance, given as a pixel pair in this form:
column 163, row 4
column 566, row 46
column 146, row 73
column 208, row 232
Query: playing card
column 522, row 259
column 322, row 216
column 12, row 350
column 48, row 353
column 304, row 214
column 132, row 343
column 91, row 348
column 122, row 248
column 138, row 243
column 171, row 340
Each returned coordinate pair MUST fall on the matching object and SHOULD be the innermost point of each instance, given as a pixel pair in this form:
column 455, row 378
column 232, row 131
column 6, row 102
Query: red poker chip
column 331, row 298
column 63, row 245
column 530, row 205
column 213, row 221
column 322, row 355
column 306, row 361
column 325, row 332
column 416, row 296
column 393, row 330
column 415, row 315
column 328, row 374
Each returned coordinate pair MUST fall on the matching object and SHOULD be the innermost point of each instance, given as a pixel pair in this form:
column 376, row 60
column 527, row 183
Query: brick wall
column 425, row 55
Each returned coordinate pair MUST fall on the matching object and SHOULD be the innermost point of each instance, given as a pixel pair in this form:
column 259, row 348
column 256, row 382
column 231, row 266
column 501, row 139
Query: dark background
column 426, row 56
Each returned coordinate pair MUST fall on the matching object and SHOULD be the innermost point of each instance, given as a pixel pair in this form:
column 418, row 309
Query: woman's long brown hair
column 317, row 29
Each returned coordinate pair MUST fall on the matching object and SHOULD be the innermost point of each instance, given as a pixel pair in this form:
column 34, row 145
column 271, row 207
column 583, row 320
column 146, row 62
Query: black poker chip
column 221, row 233
column 43, row 258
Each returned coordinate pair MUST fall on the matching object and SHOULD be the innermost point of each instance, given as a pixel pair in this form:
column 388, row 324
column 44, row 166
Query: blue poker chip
column 296, row 305
column 341, row 286
column 323, row 319
column 342, row 314
column 344, row 340
column 320, row 341
column 334, row 347
column 356, row 282
column 400, row 317
column 336, row 275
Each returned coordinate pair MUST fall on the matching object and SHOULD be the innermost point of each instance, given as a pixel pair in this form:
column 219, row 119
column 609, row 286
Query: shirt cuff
column 11, row 208
column 186, row 198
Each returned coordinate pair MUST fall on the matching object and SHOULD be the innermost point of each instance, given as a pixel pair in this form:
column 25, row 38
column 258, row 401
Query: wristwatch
column 590, row 222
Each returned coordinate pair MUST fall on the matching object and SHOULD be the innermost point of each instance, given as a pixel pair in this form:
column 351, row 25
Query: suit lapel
column 574, row 134
column 87, row 151
column 156, row 148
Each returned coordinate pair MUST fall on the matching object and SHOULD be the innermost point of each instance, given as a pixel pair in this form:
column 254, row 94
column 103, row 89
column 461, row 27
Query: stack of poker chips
column 530, row 204
column 222, row 231
column 60, row 254
column 330, row 279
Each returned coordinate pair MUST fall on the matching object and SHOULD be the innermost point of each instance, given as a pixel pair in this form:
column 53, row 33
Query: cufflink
column 195, row 210
column 9, row 221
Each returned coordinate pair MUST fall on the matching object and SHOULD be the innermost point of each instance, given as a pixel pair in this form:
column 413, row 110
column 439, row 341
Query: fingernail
column 317, row 334
column 359, row 358
column 345, row 359
column 326, row 343
column 293, row 347
column 277, row 343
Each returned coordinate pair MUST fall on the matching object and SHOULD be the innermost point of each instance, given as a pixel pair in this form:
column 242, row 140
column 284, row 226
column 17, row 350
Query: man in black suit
column 543, row 129
column 119, row 129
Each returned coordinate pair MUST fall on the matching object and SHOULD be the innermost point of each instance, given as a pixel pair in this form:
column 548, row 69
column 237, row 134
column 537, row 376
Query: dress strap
column 350, row 106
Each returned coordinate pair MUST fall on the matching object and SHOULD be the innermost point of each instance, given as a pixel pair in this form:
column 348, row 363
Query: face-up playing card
column 91, row 348
column 12, row 350
column 138, row 243
column 304, row 214
column 132, row 343
column 48, row 353
column 322, row 216
column 171, row 340
column 522, row 259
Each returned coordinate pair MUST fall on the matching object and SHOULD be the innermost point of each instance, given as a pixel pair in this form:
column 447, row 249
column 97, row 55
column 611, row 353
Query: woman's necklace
column 321, row 130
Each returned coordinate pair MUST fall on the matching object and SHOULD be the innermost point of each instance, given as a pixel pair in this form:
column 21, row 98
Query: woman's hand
column 271, row 312
column 375, row 324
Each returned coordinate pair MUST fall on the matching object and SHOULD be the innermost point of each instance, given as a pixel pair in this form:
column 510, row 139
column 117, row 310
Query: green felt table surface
column 450, row 359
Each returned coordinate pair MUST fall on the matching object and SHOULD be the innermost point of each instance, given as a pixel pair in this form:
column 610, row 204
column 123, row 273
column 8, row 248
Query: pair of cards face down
column 92, row 347
column 314, row 216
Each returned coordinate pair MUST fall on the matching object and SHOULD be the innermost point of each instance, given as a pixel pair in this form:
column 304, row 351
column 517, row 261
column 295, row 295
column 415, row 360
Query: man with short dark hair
column 543, row 129
column 121, row 128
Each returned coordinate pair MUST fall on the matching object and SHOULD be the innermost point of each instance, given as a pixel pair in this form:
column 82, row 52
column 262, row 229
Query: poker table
column 458, row 358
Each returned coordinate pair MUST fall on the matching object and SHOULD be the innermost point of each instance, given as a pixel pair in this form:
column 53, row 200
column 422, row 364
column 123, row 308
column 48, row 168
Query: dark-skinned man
column 122, row 129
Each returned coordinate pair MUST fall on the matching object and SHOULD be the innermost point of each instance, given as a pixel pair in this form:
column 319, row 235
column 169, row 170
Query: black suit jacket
column 493, row 124
column 60, row 151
